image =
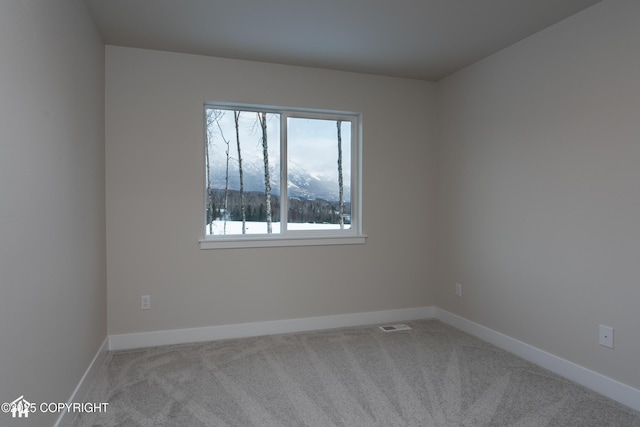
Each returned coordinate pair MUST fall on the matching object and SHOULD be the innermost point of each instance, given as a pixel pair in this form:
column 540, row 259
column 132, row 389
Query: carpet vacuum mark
column 430, row 375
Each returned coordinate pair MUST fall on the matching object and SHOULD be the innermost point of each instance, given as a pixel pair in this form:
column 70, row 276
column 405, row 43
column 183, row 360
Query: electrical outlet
column 458, row 289
column 145, row 302
column 606, row 336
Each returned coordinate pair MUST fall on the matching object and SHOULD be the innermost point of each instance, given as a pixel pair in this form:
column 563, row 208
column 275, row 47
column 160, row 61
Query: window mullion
column 356, row 176
column 284, row 198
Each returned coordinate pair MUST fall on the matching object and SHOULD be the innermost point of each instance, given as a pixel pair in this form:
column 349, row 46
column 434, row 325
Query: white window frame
column 351, row 236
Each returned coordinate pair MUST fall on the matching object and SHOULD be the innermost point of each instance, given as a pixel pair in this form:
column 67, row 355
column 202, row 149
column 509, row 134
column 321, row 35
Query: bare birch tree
column 340, row 183
column 211, row 214
column 217, row 118
column 262, row 118
column 213, row 116
column 236, row 117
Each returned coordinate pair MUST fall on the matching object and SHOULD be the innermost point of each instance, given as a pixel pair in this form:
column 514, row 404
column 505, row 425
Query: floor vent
column 391, row 328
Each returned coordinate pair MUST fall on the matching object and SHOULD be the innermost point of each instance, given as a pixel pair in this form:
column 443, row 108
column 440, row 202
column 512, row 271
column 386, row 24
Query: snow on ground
column 235, row 227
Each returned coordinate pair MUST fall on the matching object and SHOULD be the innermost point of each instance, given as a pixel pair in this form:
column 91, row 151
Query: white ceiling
column 422, row 39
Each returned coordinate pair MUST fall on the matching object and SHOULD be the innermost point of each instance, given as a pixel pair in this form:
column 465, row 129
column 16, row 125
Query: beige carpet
column 431, row 375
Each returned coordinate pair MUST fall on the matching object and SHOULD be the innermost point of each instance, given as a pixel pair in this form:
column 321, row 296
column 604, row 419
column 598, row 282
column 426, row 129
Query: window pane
column 318, row 174
column 241, row 197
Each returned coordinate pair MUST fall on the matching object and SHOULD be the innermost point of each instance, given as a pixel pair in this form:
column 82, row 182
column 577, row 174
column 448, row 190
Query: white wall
column 52, row 220
column 538, row 189
column 155, row 187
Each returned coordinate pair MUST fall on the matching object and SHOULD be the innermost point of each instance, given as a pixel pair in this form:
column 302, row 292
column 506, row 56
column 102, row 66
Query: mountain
column 302, row 184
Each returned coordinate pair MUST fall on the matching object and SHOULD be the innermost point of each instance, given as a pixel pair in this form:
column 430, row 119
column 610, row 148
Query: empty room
column 338, row 213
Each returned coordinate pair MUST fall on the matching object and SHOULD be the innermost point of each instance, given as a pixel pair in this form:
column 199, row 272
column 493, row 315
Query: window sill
column 271, row 241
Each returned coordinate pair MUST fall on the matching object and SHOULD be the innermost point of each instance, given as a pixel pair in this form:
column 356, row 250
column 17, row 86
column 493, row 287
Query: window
column 281, row 177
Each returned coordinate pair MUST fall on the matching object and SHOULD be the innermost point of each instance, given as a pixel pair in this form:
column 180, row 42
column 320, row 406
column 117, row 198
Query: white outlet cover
column 606, row 336
column 145, row 302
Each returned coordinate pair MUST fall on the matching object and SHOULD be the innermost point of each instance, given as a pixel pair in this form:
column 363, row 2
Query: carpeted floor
column 431, row 375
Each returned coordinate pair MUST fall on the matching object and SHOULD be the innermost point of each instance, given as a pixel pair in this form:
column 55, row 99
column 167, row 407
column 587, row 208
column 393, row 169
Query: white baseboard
column 65, row 418
column 241, row 330
column 599, row 383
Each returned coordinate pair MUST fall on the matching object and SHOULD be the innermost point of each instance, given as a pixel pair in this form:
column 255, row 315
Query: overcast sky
column 312, row 143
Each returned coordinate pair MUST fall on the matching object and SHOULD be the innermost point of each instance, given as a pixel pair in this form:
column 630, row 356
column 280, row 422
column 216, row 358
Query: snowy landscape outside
column 243, row 163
